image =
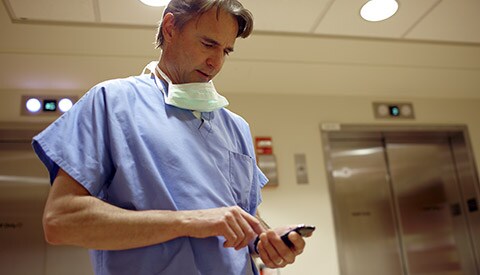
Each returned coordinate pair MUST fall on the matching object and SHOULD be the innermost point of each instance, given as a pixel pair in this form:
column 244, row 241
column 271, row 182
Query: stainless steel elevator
column 24, row 186
column 405, row 200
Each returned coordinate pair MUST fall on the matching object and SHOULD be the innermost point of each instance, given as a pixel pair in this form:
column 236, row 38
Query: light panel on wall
column 33, row 105
column 39, row 105
column 393, row 110
column 65, row 104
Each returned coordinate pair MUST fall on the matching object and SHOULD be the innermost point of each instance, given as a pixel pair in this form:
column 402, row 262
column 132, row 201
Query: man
column 152, row 173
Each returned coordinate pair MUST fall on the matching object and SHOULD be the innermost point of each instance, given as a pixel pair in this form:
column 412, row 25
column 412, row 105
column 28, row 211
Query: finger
column 229, row 235
column 253, row 222
column 267, row 260
column 247, row 231
column 285, row 252
column 297, row 241
column 270, row 242
column 250, row 227
column 241, row 228
column 263, row 253
column 232, row 226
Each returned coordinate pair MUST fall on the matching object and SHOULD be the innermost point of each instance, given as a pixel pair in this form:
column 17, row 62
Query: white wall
column 284, row 85
column 294, row 124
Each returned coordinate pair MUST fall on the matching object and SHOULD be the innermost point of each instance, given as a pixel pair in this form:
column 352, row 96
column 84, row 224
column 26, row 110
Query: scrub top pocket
column 241, row 178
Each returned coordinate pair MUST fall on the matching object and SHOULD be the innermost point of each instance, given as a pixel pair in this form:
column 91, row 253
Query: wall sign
column 266, row 159
column 263, row 145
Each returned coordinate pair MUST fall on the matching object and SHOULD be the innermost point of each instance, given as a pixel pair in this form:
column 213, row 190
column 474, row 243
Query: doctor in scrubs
column 152, row 173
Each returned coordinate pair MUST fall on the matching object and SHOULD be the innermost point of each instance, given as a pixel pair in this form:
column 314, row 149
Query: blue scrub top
column 128, row 148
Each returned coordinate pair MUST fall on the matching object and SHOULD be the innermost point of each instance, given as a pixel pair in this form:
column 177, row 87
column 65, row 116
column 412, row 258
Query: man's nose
column 215, row 60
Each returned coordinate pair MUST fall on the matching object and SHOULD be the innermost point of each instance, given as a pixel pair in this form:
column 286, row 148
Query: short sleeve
column 259, row 181
column 79, row 142
column 258, row 174
column 262, row 179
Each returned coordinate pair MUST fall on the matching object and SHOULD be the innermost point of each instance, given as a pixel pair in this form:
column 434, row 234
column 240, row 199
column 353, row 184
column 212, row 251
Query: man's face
column 196, row 52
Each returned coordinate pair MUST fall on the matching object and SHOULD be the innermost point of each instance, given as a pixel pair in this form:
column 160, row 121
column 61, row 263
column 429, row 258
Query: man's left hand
column 274, row 252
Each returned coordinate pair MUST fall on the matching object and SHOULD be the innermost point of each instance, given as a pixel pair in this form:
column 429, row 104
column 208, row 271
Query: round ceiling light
column 378, row 10
column 155, row 3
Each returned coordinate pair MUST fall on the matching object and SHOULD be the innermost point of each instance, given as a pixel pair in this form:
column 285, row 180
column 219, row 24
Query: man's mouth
column 206, row 76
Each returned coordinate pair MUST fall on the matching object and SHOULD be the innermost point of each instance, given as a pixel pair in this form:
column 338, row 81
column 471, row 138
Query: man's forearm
column 73, row 217
column 89, row 222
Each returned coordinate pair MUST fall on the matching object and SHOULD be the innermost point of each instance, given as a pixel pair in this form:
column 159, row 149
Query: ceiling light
column 378, row 10
column 155, row 3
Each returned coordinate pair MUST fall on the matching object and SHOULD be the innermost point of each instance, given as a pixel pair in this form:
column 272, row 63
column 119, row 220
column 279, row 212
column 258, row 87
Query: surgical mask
column 198, row 96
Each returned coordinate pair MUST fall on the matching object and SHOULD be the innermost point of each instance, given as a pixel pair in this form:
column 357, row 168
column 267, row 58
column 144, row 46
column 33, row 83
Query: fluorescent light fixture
column 378, row 10
column 155, row 3
column 33, row 105
column 65, row 104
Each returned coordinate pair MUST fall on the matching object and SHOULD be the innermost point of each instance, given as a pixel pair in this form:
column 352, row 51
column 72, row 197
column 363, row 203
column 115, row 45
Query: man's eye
column 208, row 45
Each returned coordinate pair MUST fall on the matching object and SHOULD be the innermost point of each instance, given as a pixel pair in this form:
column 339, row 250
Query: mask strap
column 150, row 68
column 164, row 76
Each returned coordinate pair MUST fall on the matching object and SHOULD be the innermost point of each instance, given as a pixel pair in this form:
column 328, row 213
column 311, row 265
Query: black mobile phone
column 303, row 230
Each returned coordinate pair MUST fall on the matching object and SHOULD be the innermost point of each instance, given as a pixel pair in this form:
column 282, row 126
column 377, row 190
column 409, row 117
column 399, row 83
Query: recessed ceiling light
column 155, row 3
column 378, row 10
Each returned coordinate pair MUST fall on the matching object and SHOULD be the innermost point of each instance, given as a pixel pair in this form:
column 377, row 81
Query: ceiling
column 430, row 48
column 429, row 20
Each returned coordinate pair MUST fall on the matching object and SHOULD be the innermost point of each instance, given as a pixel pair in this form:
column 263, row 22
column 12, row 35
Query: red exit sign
column 263, row 145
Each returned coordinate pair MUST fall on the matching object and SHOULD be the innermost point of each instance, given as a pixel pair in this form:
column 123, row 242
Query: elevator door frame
column 460, row 144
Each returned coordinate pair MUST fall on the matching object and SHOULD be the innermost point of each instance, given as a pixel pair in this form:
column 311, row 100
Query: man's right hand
column 237, row 226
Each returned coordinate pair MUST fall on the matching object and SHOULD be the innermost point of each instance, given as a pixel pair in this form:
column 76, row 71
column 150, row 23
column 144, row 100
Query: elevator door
column 399, row 206
column 23, row 189
column 24, row 186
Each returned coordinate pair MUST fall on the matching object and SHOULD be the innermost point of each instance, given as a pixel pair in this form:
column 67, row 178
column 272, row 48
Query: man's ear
column 168, row 27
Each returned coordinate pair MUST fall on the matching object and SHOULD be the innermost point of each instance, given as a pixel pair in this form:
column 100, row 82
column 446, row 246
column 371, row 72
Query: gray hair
column 186, row 10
